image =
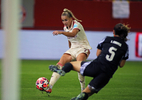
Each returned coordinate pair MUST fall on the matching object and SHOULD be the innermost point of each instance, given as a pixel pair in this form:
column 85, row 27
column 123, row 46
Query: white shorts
column 74, row 52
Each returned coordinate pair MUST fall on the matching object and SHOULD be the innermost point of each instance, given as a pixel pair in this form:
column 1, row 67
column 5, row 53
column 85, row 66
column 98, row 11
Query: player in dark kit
column 111, row 53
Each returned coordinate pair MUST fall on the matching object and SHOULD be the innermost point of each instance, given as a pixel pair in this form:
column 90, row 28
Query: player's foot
column 74, row 98
column 48, row 90
column 57, row 70
column 79, row 97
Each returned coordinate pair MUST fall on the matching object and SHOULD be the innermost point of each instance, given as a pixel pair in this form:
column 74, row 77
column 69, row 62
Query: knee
column 67, row 56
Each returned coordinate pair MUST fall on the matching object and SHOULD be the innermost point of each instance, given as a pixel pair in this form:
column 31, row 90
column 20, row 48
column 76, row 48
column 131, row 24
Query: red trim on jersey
column 73, row 25
column 74, row 22
column 77, row 28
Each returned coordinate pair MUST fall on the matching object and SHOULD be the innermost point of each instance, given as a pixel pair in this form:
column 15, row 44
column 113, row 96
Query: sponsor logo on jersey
column 75, row 26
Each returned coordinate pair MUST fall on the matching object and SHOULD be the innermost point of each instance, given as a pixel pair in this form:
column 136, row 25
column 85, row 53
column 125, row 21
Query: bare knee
column 65, row 58
column 81, row 57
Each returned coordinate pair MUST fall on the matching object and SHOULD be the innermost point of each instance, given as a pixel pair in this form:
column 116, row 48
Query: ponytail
column 68, row 13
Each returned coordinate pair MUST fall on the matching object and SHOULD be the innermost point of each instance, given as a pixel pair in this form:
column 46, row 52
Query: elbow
column 98, row 52
column 122, row 63
column 120, row 66
column 73, row 34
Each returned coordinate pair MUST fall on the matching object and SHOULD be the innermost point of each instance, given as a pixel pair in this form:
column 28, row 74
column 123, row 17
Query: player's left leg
column 82, row 81
column 81, row 57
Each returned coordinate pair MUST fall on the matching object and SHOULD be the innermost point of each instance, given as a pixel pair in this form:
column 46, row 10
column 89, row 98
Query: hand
column 56, row 32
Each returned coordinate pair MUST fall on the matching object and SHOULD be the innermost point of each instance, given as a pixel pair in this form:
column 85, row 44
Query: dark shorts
column 93, row 69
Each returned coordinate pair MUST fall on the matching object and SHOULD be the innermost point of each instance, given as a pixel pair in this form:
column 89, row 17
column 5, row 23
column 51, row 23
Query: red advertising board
column 138, row 44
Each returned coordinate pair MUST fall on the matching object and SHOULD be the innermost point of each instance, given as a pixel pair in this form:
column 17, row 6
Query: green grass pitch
column 126, row 83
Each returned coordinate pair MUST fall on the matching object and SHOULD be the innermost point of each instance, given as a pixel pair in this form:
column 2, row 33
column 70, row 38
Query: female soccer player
column 78, row 44
column 111, row 53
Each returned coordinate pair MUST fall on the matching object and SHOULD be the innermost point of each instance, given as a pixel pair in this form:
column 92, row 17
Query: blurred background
column 40, row 17
column 38, row 48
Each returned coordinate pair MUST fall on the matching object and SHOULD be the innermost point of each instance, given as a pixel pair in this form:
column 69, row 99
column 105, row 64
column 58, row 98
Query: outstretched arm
column 69, row 34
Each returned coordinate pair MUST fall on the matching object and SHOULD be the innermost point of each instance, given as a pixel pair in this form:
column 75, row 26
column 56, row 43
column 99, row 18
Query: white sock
column 55, row 76
column 82, row 81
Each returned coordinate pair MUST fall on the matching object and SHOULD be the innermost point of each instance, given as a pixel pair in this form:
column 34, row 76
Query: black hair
column 122, row 31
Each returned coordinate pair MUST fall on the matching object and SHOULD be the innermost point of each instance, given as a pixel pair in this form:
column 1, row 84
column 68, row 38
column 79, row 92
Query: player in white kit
column 78, row 44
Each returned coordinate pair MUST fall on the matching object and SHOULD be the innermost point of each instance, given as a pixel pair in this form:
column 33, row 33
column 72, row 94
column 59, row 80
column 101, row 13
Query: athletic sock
column 82, row 81
column 55, row 76
column 59, row 65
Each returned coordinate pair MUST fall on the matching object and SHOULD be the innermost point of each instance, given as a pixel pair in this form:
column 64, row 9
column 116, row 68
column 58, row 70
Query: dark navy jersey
column 114, row 49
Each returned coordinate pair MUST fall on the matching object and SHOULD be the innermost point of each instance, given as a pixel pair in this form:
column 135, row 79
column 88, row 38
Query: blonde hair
column 68, row 13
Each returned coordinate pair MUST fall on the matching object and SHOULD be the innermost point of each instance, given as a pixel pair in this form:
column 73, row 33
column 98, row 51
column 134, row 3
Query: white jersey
column 80, row 40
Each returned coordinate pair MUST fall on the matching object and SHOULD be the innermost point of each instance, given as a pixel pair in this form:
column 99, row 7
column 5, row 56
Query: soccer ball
column 42, row 83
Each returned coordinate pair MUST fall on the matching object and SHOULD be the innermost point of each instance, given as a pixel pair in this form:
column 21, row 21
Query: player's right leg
column 55, row 76
column 67, row 68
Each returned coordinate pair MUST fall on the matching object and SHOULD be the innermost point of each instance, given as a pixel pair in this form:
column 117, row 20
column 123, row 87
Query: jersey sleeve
column 126, row 56
column 100, row 45
column 76, row 26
